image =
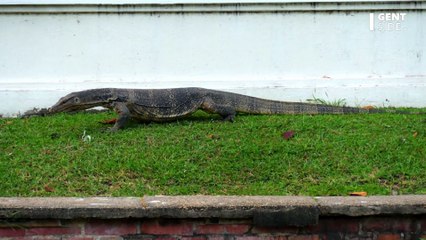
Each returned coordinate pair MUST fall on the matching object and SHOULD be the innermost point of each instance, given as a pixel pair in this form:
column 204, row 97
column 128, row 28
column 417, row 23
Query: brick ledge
column 232, row 207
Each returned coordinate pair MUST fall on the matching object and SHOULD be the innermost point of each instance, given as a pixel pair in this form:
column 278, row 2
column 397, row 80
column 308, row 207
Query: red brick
column 222, row 229
column 110, row 238
column 274, row 230
column 422, row 224
column 37, row 223
column 111, row 227
column 389, row 237
column 177, row 228
column 18, row 238
column 34, row 238
column 303, row 237
column 193, row 238
column 216, row 237
column 12, row 232
column 78, row 238
column 252, row 238
column 388, row 224
column 53, row 231
column 337, row 224
column 237, row 228
column 210, row 229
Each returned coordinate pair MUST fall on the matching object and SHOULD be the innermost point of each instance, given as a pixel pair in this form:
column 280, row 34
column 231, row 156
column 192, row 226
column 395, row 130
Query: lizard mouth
column 60, row 108
column 70, row 108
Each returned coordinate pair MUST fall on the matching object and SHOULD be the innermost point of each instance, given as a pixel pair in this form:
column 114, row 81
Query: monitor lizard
column 161, row 105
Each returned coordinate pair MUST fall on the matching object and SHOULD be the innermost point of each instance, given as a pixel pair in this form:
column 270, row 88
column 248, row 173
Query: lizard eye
column 76, row 100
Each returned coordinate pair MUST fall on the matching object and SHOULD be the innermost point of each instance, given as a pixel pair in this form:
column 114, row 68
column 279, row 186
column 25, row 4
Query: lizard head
column 82, row 100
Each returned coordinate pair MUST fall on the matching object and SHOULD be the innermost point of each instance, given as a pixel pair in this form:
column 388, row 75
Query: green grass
column 329, row 155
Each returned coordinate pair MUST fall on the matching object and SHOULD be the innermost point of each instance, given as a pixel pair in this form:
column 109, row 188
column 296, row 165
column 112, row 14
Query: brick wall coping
column 208, row 206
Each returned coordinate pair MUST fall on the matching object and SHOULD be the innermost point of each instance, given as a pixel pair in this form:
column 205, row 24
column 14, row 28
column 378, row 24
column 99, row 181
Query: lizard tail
column 263, row 106
column 253, row 105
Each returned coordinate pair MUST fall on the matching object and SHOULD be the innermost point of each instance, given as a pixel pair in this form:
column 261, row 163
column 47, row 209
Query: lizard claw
column 112, row 130
column 229, row 118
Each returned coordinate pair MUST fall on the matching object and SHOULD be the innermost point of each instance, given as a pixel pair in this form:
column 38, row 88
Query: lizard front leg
column 123, row 115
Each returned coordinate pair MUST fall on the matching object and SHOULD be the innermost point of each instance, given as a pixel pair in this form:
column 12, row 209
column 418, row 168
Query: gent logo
column 386, row 21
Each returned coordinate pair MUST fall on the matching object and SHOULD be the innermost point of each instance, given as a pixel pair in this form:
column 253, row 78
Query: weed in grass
column 339, row 102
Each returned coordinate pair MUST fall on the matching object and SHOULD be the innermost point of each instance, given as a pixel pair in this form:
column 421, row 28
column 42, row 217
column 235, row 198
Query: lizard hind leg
column 226, row 112
column 123, row 116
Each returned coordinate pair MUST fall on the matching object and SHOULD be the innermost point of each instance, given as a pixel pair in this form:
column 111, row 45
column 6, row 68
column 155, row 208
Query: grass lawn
column 329, row 155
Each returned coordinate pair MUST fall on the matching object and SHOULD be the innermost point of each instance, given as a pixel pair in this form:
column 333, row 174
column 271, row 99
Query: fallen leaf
column 48, row 188
column 358, row 194
column 369, row 107
column 415, row 134
column 109, row 121
column 47, row 151
column 213, row 136
column 289, row 134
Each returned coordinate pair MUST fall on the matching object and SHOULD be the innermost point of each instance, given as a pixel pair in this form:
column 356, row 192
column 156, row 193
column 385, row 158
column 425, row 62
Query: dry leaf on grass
column 289, row 134
column 358, row 194
column 48, row 188
column 369, row 107
column 109, row 121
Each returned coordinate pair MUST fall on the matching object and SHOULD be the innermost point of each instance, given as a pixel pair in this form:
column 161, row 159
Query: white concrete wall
column 277, row 50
